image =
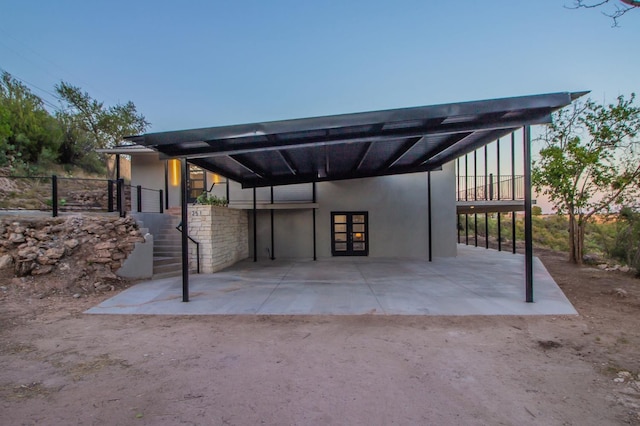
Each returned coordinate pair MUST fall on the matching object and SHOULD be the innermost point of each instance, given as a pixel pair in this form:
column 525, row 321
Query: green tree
column 590, row 163
column 28, row 133
column 90, row 125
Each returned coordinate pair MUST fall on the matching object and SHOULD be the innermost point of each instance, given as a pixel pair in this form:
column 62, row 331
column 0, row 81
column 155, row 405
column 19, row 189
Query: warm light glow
column 216, row 178
column 358, row 235
column 174, row 172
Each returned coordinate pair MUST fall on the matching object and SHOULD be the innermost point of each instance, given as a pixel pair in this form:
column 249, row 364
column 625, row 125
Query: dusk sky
column 195, row 64
column 206, row 63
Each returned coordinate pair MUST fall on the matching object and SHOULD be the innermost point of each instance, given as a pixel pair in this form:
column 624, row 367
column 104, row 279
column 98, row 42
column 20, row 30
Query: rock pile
column 38, row 246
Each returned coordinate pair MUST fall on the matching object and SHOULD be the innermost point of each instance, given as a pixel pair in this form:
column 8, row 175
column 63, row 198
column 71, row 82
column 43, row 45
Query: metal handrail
column 179, row 228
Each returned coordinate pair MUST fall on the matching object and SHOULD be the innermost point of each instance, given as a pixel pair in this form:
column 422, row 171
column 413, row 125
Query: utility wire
column 42, row 57
column 33, row 86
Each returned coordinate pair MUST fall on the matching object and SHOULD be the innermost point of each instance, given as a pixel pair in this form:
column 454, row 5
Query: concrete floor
column 476, row 282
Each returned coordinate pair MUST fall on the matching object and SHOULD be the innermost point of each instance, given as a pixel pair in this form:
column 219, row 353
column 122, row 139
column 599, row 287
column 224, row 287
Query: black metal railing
column 65, row 194
column 146, row 200
column 489, row 188
column 179, row 228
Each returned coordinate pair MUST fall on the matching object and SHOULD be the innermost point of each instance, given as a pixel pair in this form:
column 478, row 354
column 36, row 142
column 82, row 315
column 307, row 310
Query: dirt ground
column 61, row 367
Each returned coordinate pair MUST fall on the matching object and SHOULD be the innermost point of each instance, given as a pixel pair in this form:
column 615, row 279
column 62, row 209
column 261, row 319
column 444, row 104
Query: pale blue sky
column 205, row 63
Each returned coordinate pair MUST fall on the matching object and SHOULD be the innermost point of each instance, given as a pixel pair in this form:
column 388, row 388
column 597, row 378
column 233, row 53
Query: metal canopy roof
column 356, row 145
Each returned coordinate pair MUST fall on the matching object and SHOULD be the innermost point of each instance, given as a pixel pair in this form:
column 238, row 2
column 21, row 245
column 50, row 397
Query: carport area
column 476, row 282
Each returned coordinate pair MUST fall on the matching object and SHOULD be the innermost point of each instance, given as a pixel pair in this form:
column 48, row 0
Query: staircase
column 167, row 250
column 167, row 243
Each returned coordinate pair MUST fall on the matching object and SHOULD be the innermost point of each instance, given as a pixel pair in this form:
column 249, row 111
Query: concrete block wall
column 223, row 235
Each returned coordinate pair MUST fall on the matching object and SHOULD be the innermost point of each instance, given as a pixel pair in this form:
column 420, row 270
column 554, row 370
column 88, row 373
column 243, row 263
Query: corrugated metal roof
column 355, row 145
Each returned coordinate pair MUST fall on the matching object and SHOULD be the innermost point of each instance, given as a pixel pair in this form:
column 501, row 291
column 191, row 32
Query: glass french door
column 196, row 183
column 349, row 234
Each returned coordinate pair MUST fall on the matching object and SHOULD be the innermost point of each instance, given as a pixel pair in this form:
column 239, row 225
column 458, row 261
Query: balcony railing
column 489, row 188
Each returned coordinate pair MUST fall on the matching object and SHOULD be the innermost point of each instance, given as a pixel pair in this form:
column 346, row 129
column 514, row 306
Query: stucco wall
column 398, row 220
column 222, row 234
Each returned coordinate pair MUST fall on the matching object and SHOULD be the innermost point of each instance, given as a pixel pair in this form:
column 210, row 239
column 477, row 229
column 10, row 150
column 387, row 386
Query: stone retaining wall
column 38, row 246
column 223, row 234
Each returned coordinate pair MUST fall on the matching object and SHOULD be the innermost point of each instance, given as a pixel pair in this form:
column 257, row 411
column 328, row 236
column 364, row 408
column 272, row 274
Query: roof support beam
column 456, row 151
column 287, row 161
column 362, row 156
column 239, row 146
column 249, row 165
column 400, row 152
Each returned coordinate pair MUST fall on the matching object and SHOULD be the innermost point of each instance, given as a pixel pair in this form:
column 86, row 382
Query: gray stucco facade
column 397, row 208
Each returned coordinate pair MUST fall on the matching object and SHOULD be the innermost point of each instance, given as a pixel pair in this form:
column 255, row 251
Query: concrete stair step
column 167, row 252
column 168, row 267
column 165, row 260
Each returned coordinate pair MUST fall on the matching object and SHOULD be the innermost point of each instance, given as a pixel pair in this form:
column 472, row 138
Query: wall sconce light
column 174, row 172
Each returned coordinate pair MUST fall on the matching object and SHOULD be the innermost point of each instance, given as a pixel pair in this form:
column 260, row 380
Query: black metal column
column 166, row 185
column 110, row 195
column 528, row 229
column 498, row 194
column 458, row 183
column 475, row 229
column 139, row 197
column 54, row 195
column 513, row 191
column 228, row 191
column 185, row 229
column 466, row 178
column 255, row 227
column 475, row 195
column 117, row 166
column 315, row 257
column 273, row 253
column 122, row 201
column 499, row 226
column 429, row 214
column 466, row 228
column 486, row 187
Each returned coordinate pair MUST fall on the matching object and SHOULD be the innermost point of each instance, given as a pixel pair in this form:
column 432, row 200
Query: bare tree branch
column 617, row 11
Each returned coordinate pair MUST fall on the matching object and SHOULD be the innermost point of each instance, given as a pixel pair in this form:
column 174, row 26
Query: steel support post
column 429, row 214
column 466, row 228
column 139, row 197
column 273, row 255
column 513, row 191
column 499, row 226
column 513, row 232
column 185, row 229
column 166, row 186
column 313, row 189
column 110, row 195
column 54, row 195
column 528, row 229
column 475, row 229
column 486, row 230
column 255, row 227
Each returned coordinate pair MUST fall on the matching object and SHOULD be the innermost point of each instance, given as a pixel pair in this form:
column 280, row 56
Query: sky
column 195, row 64
column 191, row 64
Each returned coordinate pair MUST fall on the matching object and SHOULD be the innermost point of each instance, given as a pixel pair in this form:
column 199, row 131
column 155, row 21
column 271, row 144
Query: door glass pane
column 358, row 246
column 341, row 237
column 341, row 246
column 340, row 218
column 358, row 228
column 358, row 218
column 358, row 236
column 340, row 228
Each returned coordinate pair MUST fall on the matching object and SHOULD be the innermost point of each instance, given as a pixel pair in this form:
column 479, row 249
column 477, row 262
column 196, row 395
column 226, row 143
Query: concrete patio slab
column 476, row 282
